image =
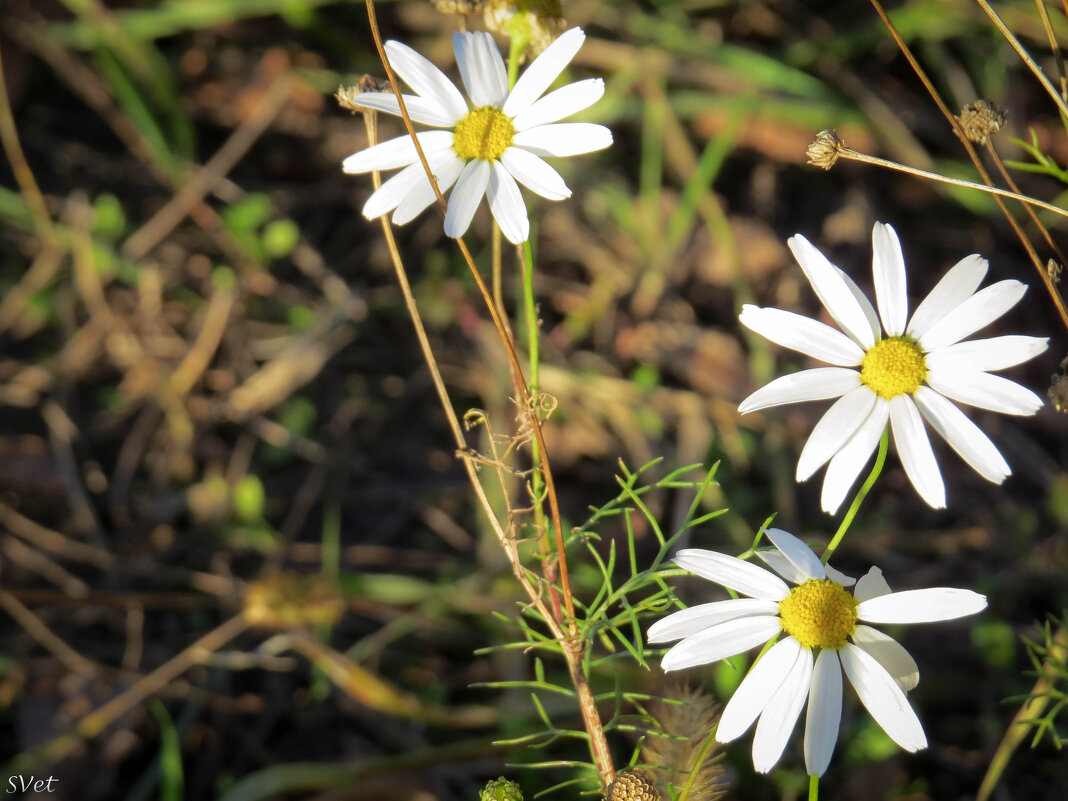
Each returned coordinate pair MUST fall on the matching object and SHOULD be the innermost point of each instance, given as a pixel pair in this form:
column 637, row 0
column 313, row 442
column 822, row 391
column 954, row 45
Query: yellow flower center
column 893, row 366
column 484, row 133
column 819, row 613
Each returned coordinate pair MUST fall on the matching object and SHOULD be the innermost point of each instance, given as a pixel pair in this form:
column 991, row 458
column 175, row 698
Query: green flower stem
column 813, row 788
column 531, row 311
column 862, row 493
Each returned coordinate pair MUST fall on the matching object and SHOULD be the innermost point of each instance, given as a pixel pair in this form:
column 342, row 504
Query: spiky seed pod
column 674, row 750
column 500, row 789
column 981, row 120
column 633, row 785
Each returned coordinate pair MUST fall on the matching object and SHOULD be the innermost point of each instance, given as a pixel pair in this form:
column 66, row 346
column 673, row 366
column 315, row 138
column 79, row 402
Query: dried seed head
column 824, row 152
column 536, row 22
column 981, row 120
column 458, row 8
column 1054, row 270
column 674, row 750
column 632, row 785
column 500, row 789
column 346, row 95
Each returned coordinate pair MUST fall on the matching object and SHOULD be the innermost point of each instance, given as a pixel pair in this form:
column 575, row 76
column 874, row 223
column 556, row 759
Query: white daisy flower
column 900, row 371
column 491, row 141
column 824, row 636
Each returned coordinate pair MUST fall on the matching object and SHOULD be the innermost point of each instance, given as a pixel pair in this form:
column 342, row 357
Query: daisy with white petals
column 824, row 637
column 486, row 143
column 896, row 370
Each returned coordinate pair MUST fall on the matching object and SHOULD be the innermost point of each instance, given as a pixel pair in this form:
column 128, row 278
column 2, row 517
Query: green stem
column 531, row 310
column 813, row 788
column 516, row 44
column 862, row 493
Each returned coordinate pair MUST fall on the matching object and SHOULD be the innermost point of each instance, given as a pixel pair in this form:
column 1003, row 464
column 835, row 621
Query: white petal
column 535, row 174
column 543, row 71
column 507, row 205
column 834, row 429
column 871, row 585
column 921, row 606
column 720, row 642
column 697, row 618
column 470, row 187
column 426, row 79
column 733, row 573
column 802, row 334
column 384, row 199
column 981, row 355
column 830, row 285
column 914, row 450
column 838, row 576
column 394, row 153
column 956, row 286
column 976, row 312
column 882, row 697
column 797, row 553
column 564, row 139
column 824, row 712
column 846, row 465
column 564, row 102
column 420, row 109
column 819, row 383
column 888, row 270
column 446, row 168
column 752, row 695
column 889, row 653
column 964, row 436
column 481, row 68
column 985, row 391
column 779, row 717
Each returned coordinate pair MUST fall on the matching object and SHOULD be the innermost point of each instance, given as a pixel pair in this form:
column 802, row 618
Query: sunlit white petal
column 799, row 555
column 506, row 204
column 543, row 71
column 733, row 573
column 425, row 111
column 978, row 311
column 838, row 424
column 830, row 285
column 871, row 585
column 466, row 195
column 697, row 618
column 981, row 355
column 426, row 79
column 394, row 153
column 824, row 712
column 721, row 641
column 384, row 199
column 890, row 654
column 564, row 139
column 446, row 168
column 921, row 606
column 964, row 436
column 802, row 334
column 535, row 174
column 779, row 717
column 846, row 465
column 882, row 697
column 956, row 286
column 839, row 577
column 888, row 270
column 759, row 684
column 985, row 391
column 914, row 449
column 563, row 102
column 818, row 383
column 481, row 68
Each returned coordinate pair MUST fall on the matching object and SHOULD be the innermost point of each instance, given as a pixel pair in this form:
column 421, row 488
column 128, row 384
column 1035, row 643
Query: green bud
column 500, row 789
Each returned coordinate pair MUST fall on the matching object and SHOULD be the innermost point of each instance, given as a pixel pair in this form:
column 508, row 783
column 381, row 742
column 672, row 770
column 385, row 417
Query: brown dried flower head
column 346, row 95
column 981, row 120
column 632, row 785
column 1058, row 388
column 824, row 152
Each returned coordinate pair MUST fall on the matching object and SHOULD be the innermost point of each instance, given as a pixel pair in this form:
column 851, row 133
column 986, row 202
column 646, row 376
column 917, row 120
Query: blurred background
column 213, row 404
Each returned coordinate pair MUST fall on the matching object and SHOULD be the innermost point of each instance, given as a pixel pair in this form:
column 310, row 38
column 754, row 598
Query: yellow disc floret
column 819, row 613
column 484, row 133
column 893, row 366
